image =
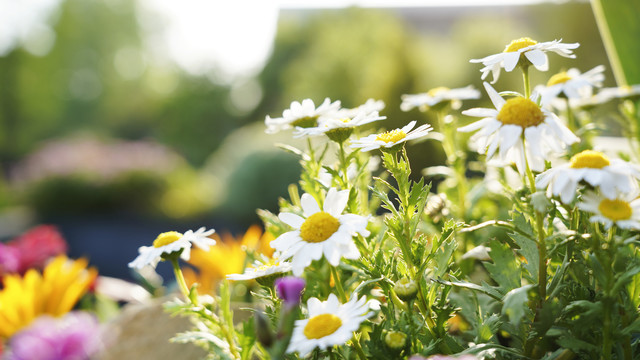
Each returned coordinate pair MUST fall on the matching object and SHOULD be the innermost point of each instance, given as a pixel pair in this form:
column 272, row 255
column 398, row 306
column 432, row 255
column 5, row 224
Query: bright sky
column 199, row 35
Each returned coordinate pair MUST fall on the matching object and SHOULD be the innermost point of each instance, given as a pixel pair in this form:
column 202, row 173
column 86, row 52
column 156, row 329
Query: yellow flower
column 53, row 292
column 229, row 256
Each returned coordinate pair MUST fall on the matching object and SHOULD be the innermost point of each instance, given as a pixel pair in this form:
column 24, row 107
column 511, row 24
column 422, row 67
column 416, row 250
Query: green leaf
column 515, row 304
column 247, row 339
column 488, row 328
column 206, row 340
column 529, row 250
column 444, row 256
column 504, row 269
column 485, row 288
column 576, row 345
column 634, row 290
column 625, row 278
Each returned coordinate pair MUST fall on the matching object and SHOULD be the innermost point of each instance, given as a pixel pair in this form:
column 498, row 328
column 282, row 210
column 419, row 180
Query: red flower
column 38, row 245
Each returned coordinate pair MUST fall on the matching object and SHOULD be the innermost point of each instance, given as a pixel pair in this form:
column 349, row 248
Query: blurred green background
column 94, row 126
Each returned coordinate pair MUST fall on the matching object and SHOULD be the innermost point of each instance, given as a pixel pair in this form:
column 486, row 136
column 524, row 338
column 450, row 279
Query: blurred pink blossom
column 76, row 336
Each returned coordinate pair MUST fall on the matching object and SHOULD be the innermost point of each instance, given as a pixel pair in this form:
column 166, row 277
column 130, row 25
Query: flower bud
column 540, row 202
column 289, row 289
column 406, row 289
column 395, row 340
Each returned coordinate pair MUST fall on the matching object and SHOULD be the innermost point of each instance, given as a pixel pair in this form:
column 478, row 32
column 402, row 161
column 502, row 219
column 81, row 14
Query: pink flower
column 76, row 336
column 9, row 259
column 38, row 245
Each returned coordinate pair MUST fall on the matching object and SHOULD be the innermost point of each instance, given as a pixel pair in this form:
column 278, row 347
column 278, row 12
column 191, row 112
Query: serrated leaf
column 484, row 288
column 584, row 308
column 205, row 339
column 515, row 304
column 634, row 327
column 624, row 278
column 576, row 345
column 444, row 256
column 521, row 223
column 529, row 250
column 504, row 269
column 487, row 328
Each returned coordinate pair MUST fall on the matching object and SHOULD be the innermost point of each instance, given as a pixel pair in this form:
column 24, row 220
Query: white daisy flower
column 504, row 127
column 170, row 242
column 303, row 114
column 260, row 270
column 437, row 95
column 572, row 84
column 534, row 53
column 329, row 323
column 620, row 92
column 200, row 237
column 610, row 176
column 392, row 138
column 320, row 232
column 369, row 106
column 624, row 211
column 326, row 125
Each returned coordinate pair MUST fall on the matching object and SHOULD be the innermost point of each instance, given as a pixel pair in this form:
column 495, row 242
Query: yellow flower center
column 392, row 136
column 520, row 111
column 559, row 78
column 518, row 44
column 438, row 90
column 166, row 238
column 264, row 267
column 320, row 326
column 615, row 209
column 589, row 159
column 319, row 227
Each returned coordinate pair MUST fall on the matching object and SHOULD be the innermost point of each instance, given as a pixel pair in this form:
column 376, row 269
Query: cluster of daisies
column 523, row 131
column 520, row 130
column 317, row 232
column 338, row 124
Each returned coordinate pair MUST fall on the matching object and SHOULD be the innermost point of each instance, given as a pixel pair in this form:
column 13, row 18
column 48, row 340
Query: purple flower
column 76, row 336
column 9, row 259
column 289, row 289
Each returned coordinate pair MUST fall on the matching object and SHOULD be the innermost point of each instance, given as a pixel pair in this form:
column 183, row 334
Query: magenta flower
column 289, row 289
column 76, row 336
column 38, row 245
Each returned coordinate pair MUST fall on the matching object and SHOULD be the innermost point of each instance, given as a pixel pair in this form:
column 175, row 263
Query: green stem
column 609, row 303
column 182, row 284
column 338, row 283
column 542, row 246
column 527, row 82
column 405, row 243
column 455, row 161
column 356, row 344
column 343, row 167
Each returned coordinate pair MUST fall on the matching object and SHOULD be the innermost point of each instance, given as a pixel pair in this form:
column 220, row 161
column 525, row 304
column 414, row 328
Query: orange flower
column 228, row 256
